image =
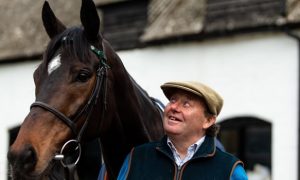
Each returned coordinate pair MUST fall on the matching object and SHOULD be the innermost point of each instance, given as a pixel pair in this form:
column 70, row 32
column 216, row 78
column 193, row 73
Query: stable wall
column 257, row 75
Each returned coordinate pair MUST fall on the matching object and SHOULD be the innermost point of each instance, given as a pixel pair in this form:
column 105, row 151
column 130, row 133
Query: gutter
column 297, row 37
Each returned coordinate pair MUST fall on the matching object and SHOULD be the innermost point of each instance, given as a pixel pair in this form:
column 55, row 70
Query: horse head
column 67, row 90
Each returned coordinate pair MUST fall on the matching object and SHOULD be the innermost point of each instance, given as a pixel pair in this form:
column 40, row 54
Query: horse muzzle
column 23, row 164
column 24, row 160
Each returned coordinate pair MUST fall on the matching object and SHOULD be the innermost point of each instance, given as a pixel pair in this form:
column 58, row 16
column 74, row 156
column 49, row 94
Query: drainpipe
column 297, row 37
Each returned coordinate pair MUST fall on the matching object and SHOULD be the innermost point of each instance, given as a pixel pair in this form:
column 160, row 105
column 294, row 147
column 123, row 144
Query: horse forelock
column 72, row 42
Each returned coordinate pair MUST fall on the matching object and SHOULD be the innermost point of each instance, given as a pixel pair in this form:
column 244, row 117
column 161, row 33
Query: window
column 249, row 139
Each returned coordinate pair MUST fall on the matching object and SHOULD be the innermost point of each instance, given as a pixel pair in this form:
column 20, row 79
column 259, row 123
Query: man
column 188, row 150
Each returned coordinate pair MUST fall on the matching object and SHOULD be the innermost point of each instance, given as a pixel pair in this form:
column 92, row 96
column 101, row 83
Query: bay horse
column 82, row 92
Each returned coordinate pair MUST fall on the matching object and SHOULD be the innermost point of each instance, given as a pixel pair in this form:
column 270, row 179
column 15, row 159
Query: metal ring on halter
column 61, row 156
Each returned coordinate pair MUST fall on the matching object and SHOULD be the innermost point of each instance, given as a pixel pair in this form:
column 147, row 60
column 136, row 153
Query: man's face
column 184, row 116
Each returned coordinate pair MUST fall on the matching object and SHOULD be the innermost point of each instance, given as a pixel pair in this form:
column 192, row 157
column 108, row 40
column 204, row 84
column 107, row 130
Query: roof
column 21, row 27
column 169, row 18
column 23, row 35
column 293, row 9
column 177, row 18
column 22, row 32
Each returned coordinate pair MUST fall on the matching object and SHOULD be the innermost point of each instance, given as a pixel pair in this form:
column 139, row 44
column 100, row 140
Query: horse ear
column 90, row 20
column 52, row 25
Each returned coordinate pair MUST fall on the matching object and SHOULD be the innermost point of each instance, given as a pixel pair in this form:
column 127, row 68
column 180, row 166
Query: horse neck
column 135, row 121
column 135, row 108
column 132, row 106
column 131, row 118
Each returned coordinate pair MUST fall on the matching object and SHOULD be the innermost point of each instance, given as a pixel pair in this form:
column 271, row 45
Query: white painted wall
column 16, row 95
column 256, row 75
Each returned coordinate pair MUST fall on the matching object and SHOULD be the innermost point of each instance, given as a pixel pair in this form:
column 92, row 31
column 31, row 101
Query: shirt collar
column 194, row 146
column 190, row 151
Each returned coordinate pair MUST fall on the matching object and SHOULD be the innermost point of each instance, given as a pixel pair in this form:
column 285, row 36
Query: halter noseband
column 88, row 108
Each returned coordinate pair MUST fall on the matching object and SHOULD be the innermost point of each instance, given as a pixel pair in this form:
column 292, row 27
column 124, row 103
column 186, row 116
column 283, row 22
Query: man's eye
column 172, row 100
column 186, row 104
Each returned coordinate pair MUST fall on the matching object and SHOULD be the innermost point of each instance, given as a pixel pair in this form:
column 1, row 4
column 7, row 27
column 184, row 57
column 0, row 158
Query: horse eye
column 83, row 76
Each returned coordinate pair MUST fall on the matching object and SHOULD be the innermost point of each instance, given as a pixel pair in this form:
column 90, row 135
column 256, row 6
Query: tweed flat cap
column 213, row 100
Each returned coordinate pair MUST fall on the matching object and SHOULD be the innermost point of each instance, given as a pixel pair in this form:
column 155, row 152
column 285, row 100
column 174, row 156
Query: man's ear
column 210, row 120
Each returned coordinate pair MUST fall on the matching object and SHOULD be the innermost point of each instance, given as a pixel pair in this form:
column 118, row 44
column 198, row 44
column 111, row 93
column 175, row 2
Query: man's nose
column 175, row 106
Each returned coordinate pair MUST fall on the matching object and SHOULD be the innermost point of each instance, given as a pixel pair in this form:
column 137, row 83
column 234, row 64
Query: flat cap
column 213, row 100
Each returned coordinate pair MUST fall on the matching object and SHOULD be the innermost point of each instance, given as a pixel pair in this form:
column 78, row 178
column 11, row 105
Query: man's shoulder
column 225, row 156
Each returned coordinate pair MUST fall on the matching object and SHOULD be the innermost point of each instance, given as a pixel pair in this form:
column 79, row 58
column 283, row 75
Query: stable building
column 247, row 50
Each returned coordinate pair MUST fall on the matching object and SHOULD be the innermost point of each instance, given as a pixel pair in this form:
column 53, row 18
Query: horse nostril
column 25, row 160
column 29, row 159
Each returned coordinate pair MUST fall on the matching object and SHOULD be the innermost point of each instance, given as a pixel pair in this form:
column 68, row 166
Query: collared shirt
column 190, row 151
